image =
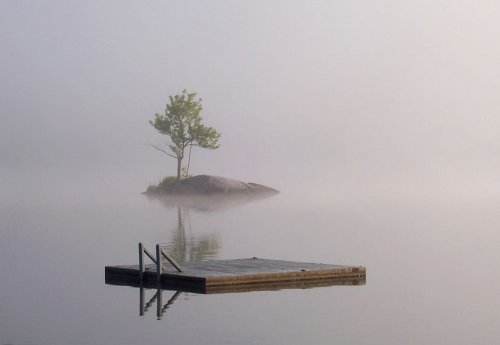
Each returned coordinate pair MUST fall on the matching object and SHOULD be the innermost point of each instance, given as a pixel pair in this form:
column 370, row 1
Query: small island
column 208, row 185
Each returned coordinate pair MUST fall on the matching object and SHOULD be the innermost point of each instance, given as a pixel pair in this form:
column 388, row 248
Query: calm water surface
column 432, row 270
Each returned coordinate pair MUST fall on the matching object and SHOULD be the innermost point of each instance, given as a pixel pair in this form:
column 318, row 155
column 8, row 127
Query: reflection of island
column 185, row 246
column 206, row 203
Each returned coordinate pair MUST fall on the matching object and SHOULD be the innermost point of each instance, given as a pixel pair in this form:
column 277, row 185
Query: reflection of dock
column 238, row 274
column 162, row 307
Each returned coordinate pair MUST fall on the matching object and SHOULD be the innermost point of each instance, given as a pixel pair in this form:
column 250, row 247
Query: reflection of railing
column 158, row 260
column 158, row 297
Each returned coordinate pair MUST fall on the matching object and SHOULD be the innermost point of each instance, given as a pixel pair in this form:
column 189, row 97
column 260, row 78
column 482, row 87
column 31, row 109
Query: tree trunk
column 189, row 160
column 179, row 164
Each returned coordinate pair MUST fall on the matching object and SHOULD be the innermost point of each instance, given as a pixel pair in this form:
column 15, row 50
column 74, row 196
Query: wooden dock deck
column 237, row 274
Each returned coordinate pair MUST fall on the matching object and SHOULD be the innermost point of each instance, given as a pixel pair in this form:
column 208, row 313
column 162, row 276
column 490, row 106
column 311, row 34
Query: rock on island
column 209, row 184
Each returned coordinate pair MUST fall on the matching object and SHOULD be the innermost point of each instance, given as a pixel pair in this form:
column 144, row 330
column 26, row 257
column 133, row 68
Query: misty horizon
column 380, row 95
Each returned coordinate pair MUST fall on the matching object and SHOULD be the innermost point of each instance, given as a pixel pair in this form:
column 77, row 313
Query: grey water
column 432, row 270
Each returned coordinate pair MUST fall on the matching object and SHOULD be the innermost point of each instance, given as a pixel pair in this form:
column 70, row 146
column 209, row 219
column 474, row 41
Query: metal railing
column 157, row 260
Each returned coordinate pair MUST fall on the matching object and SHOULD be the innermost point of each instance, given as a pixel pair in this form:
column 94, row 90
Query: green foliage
column 167, row 181
column 162, row 185
column 182, row 124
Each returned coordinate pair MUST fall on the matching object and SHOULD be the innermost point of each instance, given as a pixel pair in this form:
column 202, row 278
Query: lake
column 432, row 274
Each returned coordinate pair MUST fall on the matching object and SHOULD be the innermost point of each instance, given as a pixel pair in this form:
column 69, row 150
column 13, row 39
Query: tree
column 182, row 124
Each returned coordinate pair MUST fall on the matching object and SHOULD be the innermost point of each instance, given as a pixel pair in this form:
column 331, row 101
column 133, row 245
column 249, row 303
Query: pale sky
column 377, row 94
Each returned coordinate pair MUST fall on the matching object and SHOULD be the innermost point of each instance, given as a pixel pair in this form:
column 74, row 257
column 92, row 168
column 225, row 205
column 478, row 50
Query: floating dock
column 237, row 274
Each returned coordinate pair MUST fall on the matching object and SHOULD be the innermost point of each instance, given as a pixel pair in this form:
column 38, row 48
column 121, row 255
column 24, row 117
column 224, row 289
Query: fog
column 337, row 97
column 376, row 120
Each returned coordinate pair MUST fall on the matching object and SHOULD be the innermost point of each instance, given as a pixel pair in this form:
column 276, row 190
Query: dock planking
column 238, row 274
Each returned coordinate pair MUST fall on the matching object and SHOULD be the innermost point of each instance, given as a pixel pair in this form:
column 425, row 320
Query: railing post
column 158, row 263
column 141, row 300
column 159, row 302
column 141, row 261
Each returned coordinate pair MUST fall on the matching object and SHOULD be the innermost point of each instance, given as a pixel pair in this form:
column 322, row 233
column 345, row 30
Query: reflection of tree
column 185, row 246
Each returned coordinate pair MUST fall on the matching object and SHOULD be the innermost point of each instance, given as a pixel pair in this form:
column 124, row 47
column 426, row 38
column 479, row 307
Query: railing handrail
column 157, row 260
column 171, row 260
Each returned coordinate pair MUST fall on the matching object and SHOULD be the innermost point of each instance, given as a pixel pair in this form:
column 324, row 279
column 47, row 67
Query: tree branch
column 162, row 150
